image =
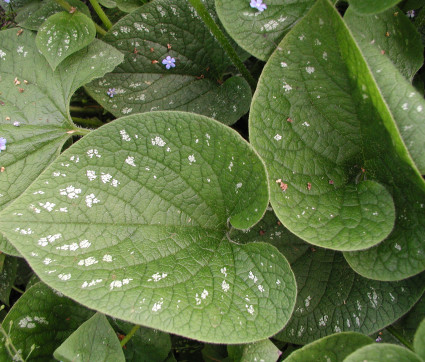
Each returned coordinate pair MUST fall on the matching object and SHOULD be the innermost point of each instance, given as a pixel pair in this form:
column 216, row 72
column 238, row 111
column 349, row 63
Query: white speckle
column 225, row 286
column 106, row 177
column 75, row 159
column 91, row 199
column 157, row 277
column 126, row 110
column 306, row 124
column 119, row 283
column 278, row 282
column 301, row 37
column 191, row 159
column 47, row 261
column 84, row 244
column 130, row 161
column 230, row 166
column 373, row 298
column 348, row 323
column 323, row 320
column 238, row 185
column 317, row 42
column 140, row 27
column 301, row 331
column 271, row 25
column 93, row 152
column 87, row 262
column 252, row 276
column 24, row 231
column 64, row 276
column 397, row 246
column 307, row 301
column 250, row 309
column 107, row 258
column 91, row 175
column 47, row 205
column 309, row 70
column 405, row 107
column 158, row 141
column 125, row 29
column 2, row 54
column 204, row 294
column 359, row 306
column 392, row 297
column 125, row 136
column 28, row 322
column 283, row 64
column 286, row 87
column 277, row 137
column 158, row 305
column 70, row 191
column 419, row 108
column 49, row 239
column 261, row 288
column 90, row 284
column 337, row 329
column 224, row 271
column 325, row 56
column 38, row 192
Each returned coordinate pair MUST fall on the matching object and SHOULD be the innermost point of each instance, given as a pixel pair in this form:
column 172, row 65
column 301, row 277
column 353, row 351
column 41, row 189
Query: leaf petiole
column 129, row 335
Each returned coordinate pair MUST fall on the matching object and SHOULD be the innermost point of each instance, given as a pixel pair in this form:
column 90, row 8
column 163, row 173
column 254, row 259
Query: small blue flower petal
column 258, row 4
column 111, row 92
column 3, row 144
column 169, row 62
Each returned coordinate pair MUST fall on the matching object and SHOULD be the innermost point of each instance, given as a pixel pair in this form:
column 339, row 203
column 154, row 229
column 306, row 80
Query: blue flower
column 169, row 62
column 2, row 144
column 258, row 4
column 379, row 339
column 411, row 13
column 111, row 92
column 7, row 1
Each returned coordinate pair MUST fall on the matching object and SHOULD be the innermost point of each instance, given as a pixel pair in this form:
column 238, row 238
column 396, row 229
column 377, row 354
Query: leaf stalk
column 129, row 335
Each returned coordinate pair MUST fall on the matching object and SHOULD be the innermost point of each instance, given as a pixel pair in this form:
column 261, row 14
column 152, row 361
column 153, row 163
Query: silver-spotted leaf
column 171, row 30
column 259, row 351
column 94, row 340
column 260, row 32
column 137, row 228
column 331, row 296
column 382, row 352
column 372, row 7
column 63, row 34
column 333, row 348
column 43, row 318
column 34, row 107
column 419, row 340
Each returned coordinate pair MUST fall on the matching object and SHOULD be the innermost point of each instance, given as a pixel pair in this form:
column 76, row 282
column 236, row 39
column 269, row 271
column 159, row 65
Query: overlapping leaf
column 259, row 351
column 332, row 348
column 8, row 268
column 44, row 318
column 331, row 297
column 94, row 340
column 314, row 124
column 383, row 352
column 260, row 32
column 34, row 102
column 148, row 36
column 134, row 224
column 419, row 341
column 372, row 7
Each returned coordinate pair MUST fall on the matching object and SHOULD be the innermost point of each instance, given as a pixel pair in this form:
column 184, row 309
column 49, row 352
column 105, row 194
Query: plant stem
column 11, row 349
column 79, row 131
column 224, row 42
column 17, row 289
column 68, row 7
column 398, row 336
column 90, row 122
column 92, row 110
column 129, row 335
column 101, row 14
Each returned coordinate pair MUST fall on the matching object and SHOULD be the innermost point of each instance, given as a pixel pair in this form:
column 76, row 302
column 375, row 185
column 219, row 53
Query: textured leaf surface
column 142, row 83
column 42, row 317
column 331, row 297
column 63, row 34
column 260, row 32
column 333, row 348
column 8, row 268
column 140, row 233
column 403, row 109
column 259, row 351
column 94, row 340
column 34, row 14
column 383, row 352
column 38, row 106
column 313, row 122
column 372, row 7
column 419, row 341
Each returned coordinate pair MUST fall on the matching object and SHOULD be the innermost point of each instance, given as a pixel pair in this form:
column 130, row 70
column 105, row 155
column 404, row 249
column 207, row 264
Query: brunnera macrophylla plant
column 167, row 218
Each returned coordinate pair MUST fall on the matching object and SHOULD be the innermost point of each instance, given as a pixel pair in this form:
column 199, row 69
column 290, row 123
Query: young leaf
column 8, row 268
column 419, row 340
column 94, row 340
column 34, row 116
column 259, row 351
column 372, row 7
column 383, row 352
column 171, row 30
column 42, row 317
column 63, row 34
column 34, row 14
column 147, row 201
column 331, row 297
column 313, row 122
column 260, row 32
column 332, row 348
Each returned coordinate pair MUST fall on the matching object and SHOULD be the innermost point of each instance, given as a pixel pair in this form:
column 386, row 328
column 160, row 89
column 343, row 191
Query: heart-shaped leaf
column 134, row 223
column 259, row 351
column 383, row 352
column 372, row 7
column 332, row 348
column 259, row 32
column 34, row 107
column 94, row 340
column 318, row 148
column 163, row 34
column 419, row 340
column 63, row 34
column 331, row 297
column 43, row 318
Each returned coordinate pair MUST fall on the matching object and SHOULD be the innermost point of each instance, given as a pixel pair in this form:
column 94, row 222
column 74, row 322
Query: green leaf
column 331, row 297
column 149, row 199
column 382, row 352
column 42, row 317
column 94, row 340
column 259, row 351
column 388, row 32
column 39, row 106
column 333, row 348
column 313, row 122
column 192, row 85
column 33, row 15
column 214, row 352
column 259, row 32
column 419, row 340
column 8, row 268
column 146, row 345
column 372, row 7
column 63, row 34
column 128, row 5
